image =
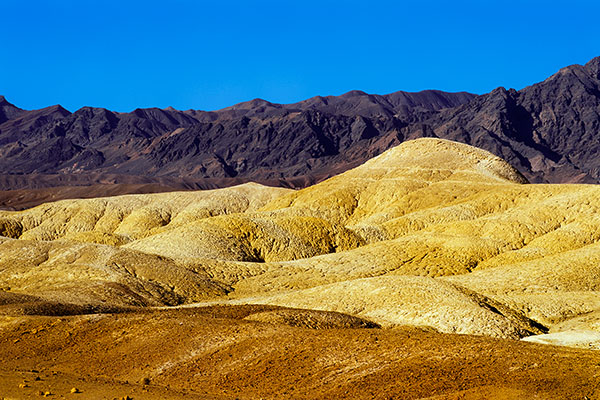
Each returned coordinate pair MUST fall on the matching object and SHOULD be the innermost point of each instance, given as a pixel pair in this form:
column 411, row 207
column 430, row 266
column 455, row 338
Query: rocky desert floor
column 222, row 352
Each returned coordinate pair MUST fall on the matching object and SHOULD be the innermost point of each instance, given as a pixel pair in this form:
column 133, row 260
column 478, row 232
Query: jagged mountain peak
column 354, row 93
column 593, row 66
column 5, row 103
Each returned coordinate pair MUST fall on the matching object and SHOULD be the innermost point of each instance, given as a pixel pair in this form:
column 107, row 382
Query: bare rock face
column 8, row 111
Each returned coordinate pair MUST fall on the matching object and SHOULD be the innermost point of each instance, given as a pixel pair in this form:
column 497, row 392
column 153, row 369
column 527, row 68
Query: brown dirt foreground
column 215, row 353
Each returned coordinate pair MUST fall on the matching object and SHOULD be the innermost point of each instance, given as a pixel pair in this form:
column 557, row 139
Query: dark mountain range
column 255, row 140
column 549, row 131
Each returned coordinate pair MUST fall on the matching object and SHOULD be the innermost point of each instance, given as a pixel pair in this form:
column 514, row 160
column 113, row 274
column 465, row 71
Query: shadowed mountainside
column 548, row 131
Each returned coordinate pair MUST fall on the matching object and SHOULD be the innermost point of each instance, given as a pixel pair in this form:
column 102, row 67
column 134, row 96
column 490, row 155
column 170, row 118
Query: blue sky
column 210, row 54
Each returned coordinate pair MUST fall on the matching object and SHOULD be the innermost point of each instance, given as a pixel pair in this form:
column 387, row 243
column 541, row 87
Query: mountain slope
column 256, row 140
column 8, row 111
column 548, row 131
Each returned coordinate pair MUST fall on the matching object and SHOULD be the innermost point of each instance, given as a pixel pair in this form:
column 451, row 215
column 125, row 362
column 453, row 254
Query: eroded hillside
column 430, row 233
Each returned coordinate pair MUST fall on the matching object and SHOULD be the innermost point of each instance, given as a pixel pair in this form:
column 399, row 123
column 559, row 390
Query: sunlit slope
column 344, row 212
column 416, row 175
column 121, row 219
column 82, row 273
column 549, row 289
column 431, row 232
column 68, row 252
column 413, row 300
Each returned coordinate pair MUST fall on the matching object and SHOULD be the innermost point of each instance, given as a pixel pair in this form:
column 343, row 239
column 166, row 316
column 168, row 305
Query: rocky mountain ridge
column 548, row 131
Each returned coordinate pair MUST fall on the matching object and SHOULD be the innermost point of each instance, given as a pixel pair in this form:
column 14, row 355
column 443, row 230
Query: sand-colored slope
column 413, row 176
column 82, row 273
column 121, row 219
column 250, row 237
column 412, row 300
column 548, row 289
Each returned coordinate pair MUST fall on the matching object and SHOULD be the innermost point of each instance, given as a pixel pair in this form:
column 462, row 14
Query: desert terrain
column 432, row 271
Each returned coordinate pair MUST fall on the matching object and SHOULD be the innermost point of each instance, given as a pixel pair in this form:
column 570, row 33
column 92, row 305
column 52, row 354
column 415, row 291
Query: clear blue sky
column 210, row 54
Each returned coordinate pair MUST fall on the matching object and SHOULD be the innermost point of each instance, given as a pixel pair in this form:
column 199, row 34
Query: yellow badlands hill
column 431, row 233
